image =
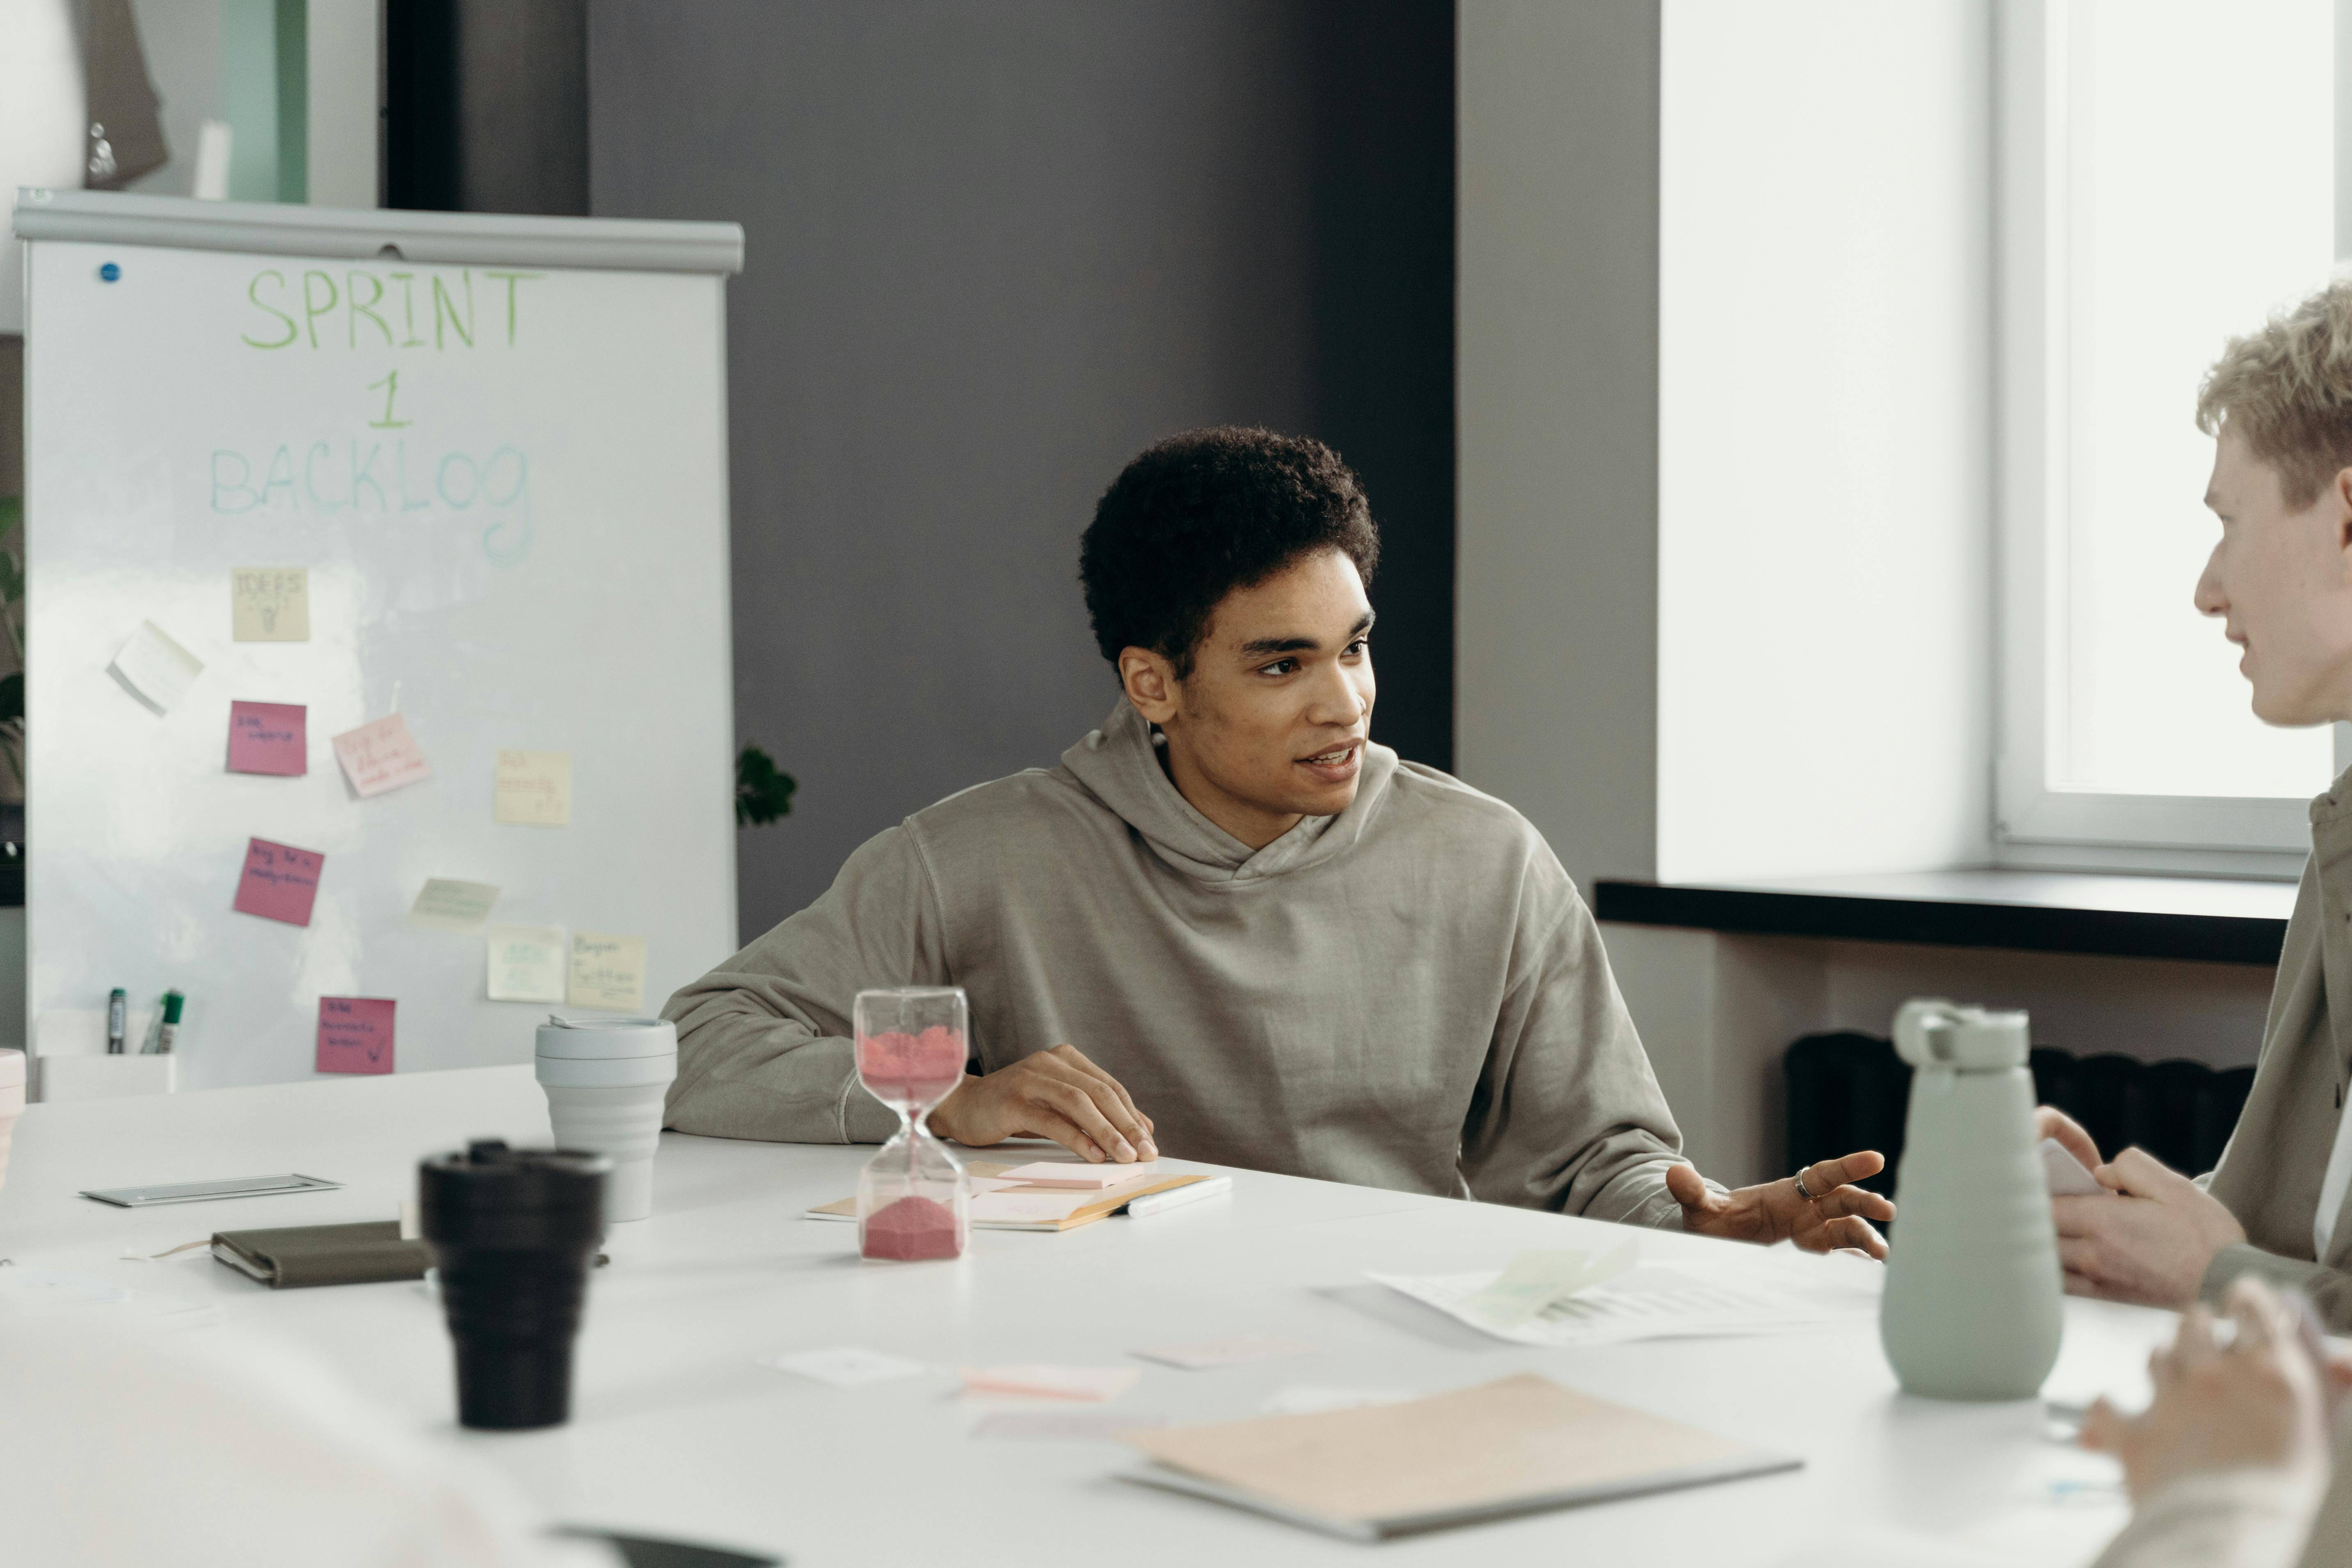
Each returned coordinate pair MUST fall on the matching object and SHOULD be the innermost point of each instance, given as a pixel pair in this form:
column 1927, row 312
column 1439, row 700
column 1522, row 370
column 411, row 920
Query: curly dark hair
column 1203, row 514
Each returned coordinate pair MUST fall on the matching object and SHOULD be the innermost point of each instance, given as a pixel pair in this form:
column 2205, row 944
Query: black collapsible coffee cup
column 512, row 1232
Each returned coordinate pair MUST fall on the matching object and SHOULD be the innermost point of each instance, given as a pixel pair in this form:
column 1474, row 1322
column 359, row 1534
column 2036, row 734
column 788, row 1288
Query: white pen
column 1152, row 1202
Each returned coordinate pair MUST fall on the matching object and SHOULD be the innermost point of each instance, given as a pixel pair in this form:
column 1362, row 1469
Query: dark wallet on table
column 291, row 1256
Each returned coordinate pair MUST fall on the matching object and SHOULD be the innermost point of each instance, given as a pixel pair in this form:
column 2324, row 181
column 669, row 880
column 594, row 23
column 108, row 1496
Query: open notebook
column 1001, row 1205
column 1515, row 1445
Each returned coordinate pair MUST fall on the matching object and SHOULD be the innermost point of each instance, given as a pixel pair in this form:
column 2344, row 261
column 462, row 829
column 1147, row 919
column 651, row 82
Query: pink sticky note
column 381, row 755
column 279, row 882
column 1048, row 1382
column 268, row 738
column 355, row 1033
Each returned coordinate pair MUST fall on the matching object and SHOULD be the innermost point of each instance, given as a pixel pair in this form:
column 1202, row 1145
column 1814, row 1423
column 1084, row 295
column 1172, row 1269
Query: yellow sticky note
column 269, row 604
column 608, row 972
column 535, row 788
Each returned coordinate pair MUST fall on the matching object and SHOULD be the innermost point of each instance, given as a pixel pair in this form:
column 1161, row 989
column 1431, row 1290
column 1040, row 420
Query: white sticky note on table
column 447, row 904
column 844, row 1366
column 1038, row 1381
column 1088, row 1178
column 607, row 971
column 534, row 788
column 157, row 671
column 381, row 755
column 526, row 963
column 269, row 604
column 1200, row 1355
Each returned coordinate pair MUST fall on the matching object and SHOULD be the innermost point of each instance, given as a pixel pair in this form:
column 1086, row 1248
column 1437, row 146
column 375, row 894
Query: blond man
column 2279, row 406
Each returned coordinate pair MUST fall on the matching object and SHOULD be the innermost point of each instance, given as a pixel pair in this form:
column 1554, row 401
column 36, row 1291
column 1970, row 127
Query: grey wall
column 992, row 252
column 1558, row 395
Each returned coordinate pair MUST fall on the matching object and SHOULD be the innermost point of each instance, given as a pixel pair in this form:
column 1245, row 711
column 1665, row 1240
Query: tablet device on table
column 197, row 1191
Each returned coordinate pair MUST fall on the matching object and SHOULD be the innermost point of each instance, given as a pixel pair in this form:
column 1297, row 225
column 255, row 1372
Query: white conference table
column 677, row 1431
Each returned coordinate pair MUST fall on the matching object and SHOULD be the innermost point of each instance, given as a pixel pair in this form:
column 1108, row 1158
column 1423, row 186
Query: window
column 2166, row 176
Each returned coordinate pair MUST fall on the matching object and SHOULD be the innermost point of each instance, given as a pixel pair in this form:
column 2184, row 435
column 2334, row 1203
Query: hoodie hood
column 1120, row 765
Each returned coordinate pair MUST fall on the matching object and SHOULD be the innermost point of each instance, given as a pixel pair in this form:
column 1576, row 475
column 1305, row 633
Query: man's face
column 2280, row 580
column 1270, row 724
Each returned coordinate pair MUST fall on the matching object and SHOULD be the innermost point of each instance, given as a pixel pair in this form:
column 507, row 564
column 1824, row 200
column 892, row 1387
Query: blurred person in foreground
column 2230, row 1466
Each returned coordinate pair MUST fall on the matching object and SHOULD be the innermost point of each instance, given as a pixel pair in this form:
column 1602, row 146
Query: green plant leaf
column 763, row 791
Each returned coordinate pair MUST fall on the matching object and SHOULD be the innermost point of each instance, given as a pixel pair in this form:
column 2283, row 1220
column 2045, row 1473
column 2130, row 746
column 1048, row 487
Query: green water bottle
column 1972, row 1308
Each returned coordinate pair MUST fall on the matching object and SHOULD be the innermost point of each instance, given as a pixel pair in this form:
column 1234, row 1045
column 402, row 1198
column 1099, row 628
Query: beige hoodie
column 1408, row 994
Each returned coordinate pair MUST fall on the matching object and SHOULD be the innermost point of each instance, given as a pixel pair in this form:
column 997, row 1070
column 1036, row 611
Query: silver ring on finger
column 1805, row 1192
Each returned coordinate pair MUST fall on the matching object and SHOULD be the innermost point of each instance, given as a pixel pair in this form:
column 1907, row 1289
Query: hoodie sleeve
column 1568, row 1115
column 763, row 1040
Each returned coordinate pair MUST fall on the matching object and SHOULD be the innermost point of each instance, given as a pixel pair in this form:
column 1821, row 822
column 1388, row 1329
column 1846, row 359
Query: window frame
column 2033, row 825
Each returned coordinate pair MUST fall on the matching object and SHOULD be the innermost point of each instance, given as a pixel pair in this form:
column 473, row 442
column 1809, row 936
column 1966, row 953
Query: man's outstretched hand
column 1837, row 1215
column 1055, row 1094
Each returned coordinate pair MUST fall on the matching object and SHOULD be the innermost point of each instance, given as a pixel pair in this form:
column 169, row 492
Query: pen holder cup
column 606, row 1081
column 65, row 1078
column 11, row 1104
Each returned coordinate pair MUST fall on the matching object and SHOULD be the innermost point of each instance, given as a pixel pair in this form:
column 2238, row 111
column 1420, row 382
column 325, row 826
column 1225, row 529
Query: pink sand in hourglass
column 910, row 1229
column 917, row 1068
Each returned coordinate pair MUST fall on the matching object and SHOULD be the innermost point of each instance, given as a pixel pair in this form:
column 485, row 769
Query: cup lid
column 12, row 1068
column 598, row 1038
column 475, row 1192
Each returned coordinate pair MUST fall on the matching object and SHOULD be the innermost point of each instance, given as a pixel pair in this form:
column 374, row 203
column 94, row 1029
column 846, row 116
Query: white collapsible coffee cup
column 12, row 1103
column 606, row 1080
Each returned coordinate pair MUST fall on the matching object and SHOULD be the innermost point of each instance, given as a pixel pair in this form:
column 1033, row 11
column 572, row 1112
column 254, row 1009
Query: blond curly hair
column 2286, row 389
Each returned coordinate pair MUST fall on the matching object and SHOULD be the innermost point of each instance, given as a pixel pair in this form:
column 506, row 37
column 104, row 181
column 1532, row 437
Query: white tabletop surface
column 676, row 1430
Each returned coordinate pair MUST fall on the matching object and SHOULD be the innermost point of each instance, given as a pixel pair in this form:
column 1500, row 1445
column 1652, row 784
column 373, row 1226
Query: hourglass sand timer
column 911, row 1201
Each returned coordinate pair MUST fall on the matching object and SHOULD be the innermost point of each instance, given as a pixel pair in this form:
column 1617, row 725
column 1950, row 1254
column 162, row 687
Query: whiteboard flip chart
column 497, row 454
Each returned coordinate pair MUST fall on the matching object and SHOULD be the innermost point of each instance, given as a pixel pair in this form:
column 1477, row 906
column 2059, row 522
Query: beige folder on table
column 1516, row 1446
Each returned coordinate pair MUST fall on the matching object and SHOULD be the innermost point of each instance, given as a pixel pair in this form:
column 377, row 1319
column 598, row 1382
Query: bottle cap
column 489, row 1196
column 1930, row 1032
column 602, row 1039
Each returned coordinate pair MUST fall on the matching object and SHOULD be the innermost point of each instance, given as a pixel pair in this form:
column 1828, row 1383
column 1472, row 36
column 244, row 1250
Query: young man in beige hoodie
column 1229, row 925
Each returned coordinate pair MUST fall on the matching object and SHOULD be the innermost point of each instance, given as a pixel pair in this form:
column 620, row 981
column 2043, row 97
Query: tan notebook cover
column 1513, row 1445
column 1110, row 1200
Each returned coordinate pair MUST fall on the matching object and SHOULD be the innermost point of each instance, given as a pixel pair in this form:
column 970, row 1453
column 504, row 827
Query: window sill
column 2211, row 919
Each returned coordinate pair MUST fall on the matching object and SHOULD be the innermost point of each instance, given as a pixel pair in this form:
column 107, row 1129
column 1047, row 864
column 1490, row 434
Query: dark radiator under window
column 1850, row 1092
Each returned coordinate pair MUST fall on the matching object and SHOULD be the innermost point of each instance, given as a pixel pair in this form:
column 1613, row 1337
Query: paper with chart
column 1646, row 1301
